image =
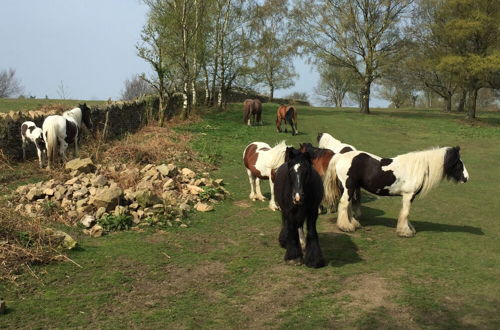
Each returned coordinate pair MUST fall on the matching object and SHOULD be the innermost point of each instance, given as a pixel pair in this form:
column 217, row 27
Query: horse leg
column 76, row 146
column 352, row 197
column 356, row 203
column 293, row 253
column 278, row 124
column 272, row 203
column 62, row 150
column 343, row 221
column 302, row 238
column 404, row 227
column 258, row 193
column 314, row 256
column 39, row 152
column 251, row 179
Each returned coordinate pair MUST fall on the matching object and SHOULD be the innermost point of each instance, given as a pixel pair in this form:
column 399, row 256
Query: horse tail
column 331, row 184
column 50, row 136
column 289, row 116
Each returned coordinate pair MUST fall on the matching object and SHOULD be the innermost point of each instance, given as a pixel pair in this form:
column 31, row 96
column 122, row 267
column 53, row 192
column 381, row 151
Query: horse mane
column 276, row 155
column 75, row 114
column 428, row 165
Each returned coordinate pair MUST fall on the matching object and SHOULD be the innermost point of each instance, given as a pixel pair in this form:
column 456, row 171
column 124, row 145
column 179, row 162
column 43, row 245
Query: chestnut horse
column 289, row 115
column 252, row 109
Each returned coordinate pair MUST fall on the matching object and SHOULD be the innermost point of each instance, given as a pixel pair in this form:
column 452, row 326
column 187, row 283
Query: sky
column 87, row 46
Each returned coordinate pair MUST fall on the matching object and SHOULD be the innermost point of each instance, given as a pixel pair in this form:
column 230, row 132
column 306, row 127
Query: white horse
column 409, row 175
column 64, row 130
column 31, row 133
column 261, row 162
column 326, row 141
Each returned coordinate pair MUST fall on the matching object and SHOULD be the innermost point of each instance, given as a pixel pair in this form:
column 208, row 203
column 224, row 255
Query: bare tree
column 135, row 87
column 9, row 84
column 335, row 82
column 62, row 91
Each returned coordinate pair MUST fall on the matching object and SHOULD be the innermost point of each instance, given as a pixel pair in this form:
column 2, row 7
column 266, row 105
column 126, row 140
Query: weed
column 115, row 222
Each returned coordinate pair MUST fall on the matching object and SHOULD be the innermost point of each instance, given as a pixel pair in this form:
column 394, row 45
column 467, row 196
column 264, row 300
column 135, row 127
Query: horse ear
column 457, row 148
column 319, row 137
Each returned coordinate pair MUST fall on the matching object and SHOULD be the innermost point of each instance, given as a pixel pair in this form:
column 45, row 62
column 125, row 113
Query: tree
column 135, row 87
column 334, row 84
column 298, row 96
column 62, row 91
column 362, row 35
column 274, row 45
column 470, row 28
column 9, row 84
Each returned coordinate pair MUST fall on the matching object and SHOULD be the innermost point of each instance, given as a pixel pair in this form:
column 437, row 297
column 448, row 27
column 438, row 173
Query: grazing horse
column 31, row 133
column 252, row 110
column 409, row 175
column 299, row 192
column 261, row 162
column 289, row 115
column 64, row 130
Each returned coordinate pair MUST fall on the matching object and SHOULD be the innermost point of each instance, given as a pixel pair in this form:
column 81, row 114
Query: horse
column 408, row 175
column 299, row 192
column 252, row 109
column 261, row 162
column 64, row 130
column 31, row 133
column 289, row 115
column 327, row 141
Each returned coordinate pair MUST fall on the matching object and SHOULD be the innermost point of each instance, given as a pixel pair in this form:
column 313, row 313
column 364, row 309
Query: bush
column 115, row 222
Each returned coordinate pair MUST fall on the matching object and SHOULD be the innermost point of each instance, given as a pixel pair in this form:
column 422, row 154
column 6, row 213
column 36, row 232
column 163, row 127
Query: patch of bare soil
column 243, row 203
column 371, row 293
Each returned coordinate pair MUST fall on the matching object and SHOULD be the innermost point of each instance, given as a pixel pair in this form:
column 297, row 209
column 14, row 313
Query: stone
column 65, row 240
column 84, row 165
column 219, row 182
column 88, row 221
column 183, row 225
column 72, row 214
column 184, row 207
column 96, row 231
column 146, row 168
column 133, row 206
column 169, row 184
column 80, row 193
column 99, row 181
column 35, row 193
column 202, row 207
column 187, row 173
column 108, row 197
column 49, row 191
column 81, row 202
column 72, row 181
column 100, row 212
column 194, row 190
column 147, row 198
column 92, row 191
column 120, row 210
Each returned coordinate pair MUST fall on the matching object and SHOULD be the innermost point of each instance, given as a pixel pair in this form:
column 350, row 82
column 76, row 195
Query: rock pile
column 154, row 194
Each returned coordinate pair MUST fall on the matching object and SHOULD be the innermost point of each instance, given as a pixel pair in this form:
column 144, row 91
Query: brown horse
column 289, row 115
column 252, row 109
column 320, row 157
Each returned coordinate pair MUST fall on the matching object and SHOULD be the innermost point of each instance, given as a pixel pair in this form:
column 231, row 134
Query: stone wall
column 116, row 119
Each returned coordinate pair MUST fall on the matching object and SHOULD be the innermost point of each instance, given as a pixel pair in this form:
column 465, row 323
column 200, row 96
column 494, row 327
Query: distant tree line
column 202, row 49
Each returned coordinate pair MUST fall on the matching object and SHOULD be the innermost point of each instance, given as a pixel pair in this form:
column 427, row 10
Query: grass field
column 226, row 271
column 7, row 105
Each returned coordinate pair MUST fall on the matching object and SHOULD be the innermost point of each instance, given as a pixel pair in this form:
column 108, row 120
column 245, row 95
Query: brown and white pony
column 289, row 115
column 31, row 133
column 408, row 175
column 252, row 109
column 261, row 162
column 64, row 130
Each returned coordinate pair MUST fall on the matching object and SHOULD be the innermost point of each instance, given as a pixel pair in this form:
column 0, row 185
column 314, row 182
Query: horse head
column 299, row 169
column 86, row 115
column 454, row 168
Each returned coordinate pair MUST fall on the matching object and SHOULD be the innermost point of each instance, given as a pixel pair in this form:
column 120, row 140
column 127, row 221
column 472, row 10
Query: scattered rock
column 35, row 193
column 100, row 212
column 108, row 197
column 187, row 173
column 88, row 221
column 82, row 165
column 202, row 207
column 96, row 231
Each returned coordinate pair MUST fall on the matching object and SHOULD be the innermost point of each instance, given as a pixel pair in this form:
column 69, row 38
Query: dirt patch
column 243, row 203
column 372, row 295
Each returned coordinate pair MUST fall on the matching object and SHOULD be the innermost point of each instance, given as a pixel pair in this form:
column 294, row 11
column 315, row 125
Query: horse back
column 321, row 160
column 366, row 171
column 252, row 161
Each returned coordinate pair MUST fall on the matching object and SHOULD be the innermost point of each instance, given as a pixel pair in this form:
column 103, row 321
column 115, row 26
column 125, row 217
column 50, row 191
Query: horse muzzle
column 297, row 199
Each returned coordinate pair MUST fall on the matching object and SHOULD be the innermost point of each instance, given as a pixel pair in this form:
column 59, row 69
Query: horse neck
column 427, row 164
column 75, row 114
column 276, row 155
column 329, row 140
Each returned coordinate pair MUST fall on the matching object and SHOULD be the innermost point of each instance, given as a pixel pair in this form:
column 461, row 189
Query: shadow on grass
column 338, row 249
column 373, row 217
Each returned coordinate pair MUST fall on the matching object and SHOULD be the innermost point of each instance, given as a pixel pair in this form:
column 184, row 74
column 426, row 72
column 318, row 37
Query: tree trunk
column 461, row 103
column 447, row 103
column 207, row 86
column 161, row 109
column 193, row 94
column 185, row 102
column 365, row 97
column 271, row 93
column 471, row 111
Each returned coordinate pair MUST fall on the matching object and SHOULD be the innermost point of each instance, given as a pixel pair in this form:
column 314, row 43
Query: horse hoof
column 405, row 233
column 294, row 262
column 316, row 263
column 356, row 223
column 347, row 229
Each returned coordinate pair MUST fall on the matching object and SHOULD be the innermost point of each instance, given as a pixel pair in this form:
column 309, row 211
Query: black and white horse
column 409, row 175
column 64, row 130
column 299, row 191
column 31, row 133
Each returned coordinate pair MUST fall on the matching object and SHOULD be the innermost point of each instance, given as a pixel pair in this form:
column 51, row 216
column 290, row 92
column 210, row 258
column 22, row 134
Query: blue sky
column 89, row 45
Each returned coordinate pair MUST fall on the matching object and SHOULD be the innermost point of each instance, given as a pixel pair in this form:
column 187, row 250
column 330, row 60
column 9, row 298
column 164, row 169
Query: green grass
column 226, row 270
column 7, row 105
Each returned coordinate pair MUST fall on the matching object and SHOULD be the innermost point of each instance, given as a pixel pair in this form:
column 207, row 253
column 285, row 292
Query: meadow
column 227, row 269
